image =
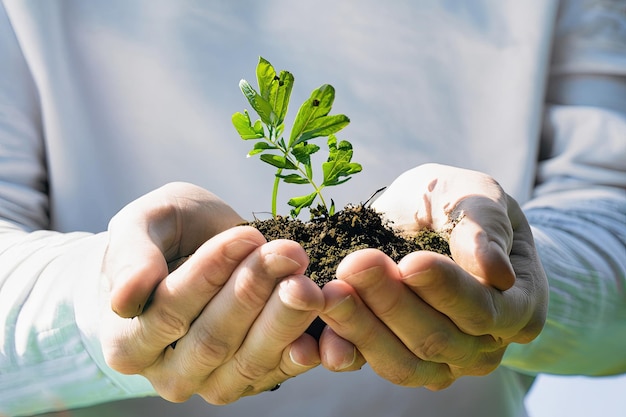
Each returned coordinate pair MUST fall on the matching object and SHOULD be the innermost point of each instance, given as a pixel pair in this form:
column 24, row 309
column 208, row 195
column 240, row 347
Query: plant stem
column 275, row 191
column 317, row 189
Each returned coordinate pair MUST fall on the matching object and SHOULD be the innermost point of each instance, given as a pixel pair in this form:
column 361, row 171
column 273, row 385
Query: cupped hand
column 229, row 322
column 155, row 231
column 429, row 320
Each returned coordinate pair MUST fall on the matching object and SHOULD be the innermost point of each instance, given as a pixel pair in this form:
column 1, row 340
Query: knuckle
column 119, row 360
column 480, row 365
column 169, row 323
column 209, row 350
column 406, row 376
column 250, row 371
column 175, row 390
column 482, row 322
column 176, row 397
column 422, row 374
column 252, row 293
column 216, row 398
column 403, row 379
column 219, row 395
column 490, row 362
column 251, row 379
column 433, row 346
column 532, row 329
column 440, row 385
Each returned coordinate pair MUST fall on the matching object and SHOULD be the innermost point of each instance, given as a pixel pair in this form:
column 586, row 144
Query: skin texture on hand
column 227, row 323
column 238, row 308
column 154, row 230
column 428, row 320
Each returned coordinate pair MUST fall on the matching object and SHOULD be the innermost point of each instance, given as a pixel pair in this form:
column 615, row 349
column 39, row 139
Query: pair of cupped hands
column 231, row 320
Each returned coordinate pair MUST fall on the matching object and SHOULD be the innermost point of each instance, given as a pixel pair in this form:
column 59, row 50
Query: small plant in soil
column 292, row 157
column 328, row 236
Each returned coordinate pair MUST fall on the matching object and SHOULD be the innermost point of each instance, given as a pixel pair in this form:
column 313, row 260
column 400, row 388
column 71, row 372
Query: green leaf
column 301, row 202
column 278, row 161
column 313, row 120
column 294, row 179
column 303, row 151
column 281, row 143
column 258, row 127
column 258, row 103
column 275, row 89
column 338, row 164
column 260, row 147
column 317, row 105
column 279, row 131
column 265, row 74
column 323, row 126
column 336, row 182
column 280, row 94
column 244, row 126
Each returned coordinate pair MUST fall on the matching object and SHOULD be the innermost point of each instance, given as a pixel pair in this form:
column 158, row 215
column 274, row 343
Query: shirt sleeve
column 578, row 211
column 49, row 282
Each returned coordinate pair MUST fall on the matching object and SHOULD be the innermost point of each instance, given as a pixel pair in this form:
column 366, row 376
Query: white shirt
column 101, row 102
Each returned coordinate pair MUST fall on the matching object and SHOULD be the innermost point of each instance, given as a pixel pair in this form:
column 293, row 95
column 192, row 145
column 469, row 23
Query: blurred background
column 555, row 396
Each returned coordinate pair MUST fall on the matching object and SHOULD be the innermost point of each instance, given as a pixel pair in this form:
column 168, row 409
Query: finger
column 133, row 275
column 225, row 322
column 476, row 309
column 161, row 226
column 350, row 318
column 338, row 354
column 220, row 330
column 180, row 298
column 481, row 240
column 425, row 331
column 469, row 205
column 531, row 281
column 276, row 347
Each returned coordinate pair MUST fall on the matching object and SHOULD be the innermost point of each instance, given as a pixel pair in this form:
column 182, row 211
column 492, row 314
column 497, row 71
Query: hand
column 428, row 320
column 228, row 322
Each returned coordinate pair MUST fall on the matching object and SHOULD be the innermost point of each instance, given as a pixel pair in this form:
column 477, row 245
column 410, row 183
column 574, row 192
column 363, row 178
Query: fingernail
column 337, row 304
column 347, row 361
column 336, row 307
column 240, row 248
column 289, row 297
column 339, row 358
column 293, row 359
column 417, row 275
column 292, row 356
column 282, row 263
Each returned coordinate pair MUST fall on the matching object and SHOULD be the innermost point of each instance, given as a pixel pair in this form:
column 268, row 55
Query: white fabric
column 101, row 102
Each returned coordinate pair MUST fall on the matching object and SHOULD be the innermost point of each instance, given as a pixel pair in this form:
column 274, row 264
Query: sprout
column 292, row 159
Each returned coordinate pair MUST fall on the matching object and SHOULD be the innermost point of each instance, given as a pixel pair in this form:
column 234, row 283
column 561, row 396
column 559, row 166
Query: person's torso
column 138, row 94
column 135, row 95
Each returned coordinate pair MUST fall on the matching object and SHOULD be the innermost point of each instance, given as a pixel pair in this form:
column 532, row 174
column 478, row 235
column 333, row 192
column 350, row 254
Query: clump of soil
column 328, row 239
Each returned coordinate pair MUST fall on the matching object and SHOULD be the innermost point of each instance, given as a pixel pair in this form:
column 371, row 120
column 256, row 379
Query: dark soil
column 327, row 240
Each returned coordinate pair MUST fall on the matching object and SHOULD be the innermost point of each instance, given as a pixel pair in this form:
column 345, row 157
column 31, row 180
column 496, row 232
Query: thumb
column 480, row 240
column 133, row 274
column 154, row 230
column 469, row 206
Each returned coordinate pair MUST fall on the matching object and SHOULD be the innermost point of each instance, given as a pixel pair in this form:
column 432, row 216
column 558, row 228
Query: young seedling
column 292, row 157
